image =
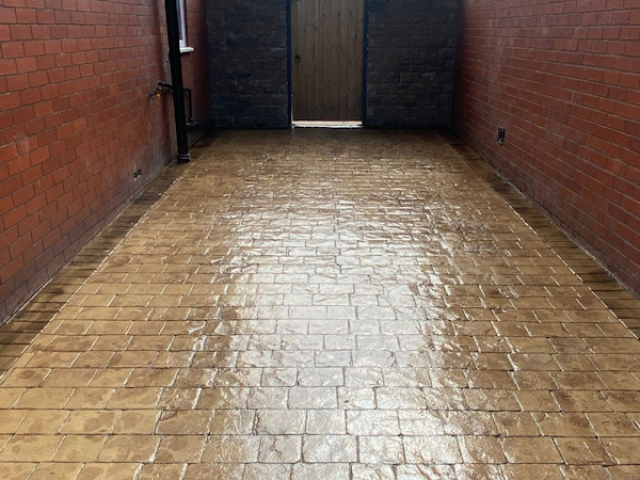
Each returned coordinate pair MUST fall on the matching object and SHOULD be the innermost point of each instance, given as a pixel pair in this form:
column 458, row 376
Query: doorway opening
column 327, row 57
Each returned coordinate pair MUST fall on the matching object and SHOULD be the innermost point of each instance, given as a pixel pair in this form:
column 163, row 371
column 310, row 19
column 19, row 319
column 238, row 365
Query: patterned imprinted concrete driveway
column 323, row 304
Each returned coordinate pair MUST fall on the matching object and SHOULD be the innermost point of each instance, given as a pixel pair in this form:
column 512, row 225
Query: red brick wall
column 563, row 78
column 75, row 123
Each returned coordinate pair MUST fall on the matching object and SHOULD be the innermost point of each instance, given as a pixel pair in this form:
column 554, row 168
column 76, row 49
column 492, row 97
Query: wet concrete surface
column 325, row 304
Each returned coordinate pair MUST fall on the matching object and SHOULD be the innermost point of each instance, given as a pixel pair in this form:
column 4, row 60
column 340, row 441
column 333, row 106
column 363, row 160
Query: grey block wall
column 248, row 63
column 410, row 63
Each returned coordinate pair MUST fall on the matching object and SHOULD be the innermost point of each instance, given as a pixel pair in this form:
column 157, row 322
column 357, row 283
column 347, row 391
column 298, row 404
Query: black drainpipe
column 176, row 80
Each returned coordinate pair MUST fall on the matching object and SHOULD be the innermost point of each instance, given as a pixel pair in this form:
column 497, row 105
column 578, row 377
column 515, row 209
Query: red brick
column 39, row 155
column 14, row 216
column 26, row 16
column 32, row 174
column 69, row 44
column 12, row 49
column 56, row 148
column 27, row 64
column 5, row 33
column 37, row 79
column 6, row 204
column 5, row 256
column 64, row 131
column 34, row 48
column 8, row 14
column 25, row 226
column 43, row 108
column 21, row 196
column 10, row 270
column 92, row 88
column 10, row 101
column 20, row 32
column 29, row 255
column 24, row 275
column 8, row 152
column 8, row 67
column 591, row 91
column 51, row 238
column 17, row 166
column 31, row 96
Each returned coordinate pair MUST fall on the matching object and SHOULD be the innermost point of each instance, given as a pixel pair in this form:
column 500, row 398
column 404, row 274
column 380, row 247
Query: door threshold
column 326, row 124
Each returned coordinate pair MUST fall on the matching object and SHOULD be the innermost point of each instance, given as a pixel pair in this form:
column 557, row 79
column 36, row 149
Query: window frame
column 182, row 24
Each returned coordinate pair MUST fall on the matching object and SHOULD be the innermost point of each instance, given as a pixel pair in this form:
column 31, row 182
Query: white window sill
column 186, row 49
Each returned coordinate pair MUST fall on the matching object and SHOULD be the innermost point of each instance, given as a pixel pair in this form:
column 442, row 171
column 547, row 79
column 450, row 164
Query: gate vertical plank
column 356, row 49
column 344, row 57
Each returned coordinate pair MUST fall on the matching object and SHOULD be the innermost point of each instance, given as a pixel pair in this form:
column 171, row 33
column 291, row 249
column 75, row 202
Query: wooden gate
column 327, row 50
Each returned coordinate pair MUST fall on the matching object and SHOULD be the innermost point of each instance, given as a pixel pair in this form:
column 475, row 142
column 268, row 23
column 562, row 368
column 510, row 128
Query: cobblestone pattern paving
column 321, row 305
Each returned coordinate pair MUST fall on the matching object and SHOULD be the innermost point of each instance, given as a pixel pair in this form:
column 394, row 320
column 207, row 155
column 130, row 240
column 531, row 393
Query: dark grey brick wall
column 410, row 62
column 248, row 62
column 409, row 66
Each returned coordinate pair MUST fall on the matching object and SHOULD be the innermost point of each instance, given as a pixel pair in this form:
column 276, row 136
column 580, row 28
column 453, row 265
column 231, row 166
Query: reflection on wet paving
column 323, row 305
